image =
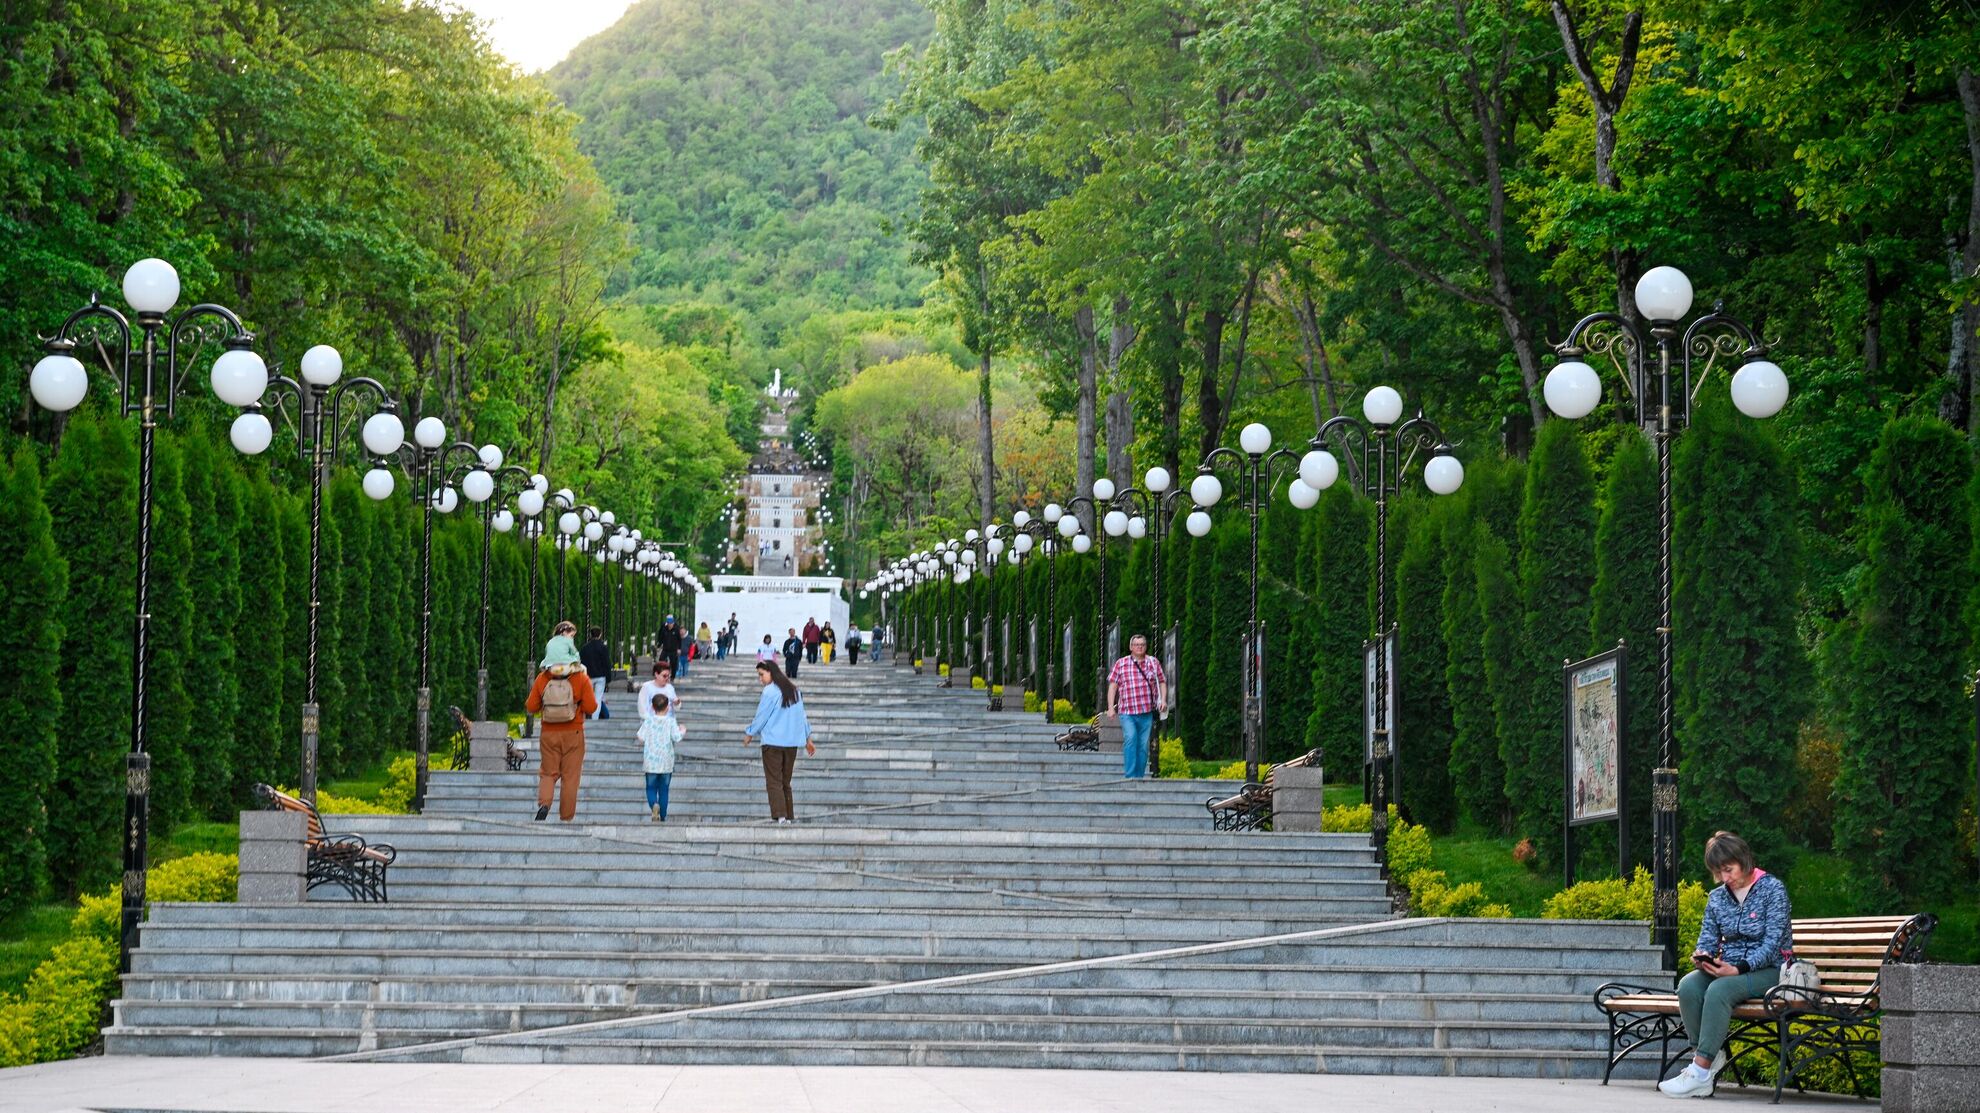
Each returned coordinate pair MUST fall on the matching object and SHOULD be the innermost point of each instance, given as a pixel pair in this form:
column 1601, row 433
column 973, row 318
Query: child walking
column 658, row 734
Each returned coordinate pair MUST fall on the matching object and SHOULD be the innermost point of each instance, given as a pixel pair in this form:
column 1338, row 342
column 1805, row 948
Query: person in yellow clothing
column 827, row 642
column 561, row 699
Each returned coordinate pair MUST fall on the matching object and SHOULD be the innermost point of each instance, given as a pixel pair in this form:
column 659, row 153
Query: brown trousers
column 778, row 761
column 563, row 757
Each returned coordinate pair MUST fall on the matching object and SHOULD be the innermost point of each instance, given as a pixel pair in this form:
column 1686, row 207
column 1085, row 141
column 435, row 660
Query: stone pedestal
column 642, row 668
column 959, row 677
column 1931, row 1038
column 1110, row 732
column 488, row 747
column 1296, row 799
column 272, row 853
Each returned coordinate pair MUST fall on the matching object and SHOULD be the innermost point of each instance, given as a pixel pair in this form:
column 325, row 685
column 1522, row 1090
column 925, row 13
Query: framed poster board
column 1594, row 753
column 1004, row 650
column 1169, row 650
column 1066, row 654
column 1031, row 653
column 1386, row 645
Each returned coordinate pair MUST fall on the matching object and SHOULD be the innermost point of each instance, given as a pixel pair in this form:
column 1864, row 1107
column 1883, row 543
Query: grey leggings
column 1706, row 1003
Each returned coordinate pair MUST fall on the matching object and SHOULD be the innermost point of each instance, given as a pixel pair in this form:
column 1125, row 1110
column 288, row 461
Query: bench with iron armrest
column 1802, row 1027
column 346, row 861
column 1251, row 808
column 1083, row 736
column 460, row 754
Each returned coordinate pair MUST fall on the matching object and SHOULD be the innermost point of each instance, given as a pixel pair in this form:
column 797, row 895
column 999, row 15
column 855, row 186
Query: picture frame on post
column 1170, row 645
column 1368, row 649
column 1594, row 751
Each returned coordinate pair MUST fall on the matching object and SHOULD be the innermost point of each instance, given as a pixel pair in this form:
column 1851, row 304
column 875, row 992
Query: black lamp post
column 423, row 459
column 1094, row 540
column 983, row 550
column 59, row 383
column 1257, row 468
column 1153, row 506
column 1041, row 529
column 1643, row 354
column 531, row 502
column 318, row 422
column 1384, row 451
column 485, row 483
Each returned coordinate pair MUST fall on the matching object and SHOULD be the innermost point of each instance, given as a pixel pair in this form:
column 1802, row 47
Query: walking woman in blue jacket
column 780, row 727
column 1748, row 926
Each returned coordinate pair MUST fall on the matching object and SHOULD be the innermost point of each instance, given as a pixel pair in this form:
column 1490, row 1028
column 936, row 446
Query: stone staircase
column 956, row 891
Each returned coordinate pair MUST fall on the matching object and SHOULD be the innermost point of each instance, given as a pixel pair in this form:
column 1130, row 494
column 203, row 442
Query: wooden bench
column 1083, row 736
column 1251, row 808
column 460, row 746
column 346, row 861
column 1801, row 1027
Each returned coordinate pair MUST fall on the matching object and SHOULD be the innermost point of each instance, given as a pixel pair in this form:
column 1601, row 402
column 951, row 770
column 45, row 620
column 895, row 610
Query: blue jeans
column 684, row 665
column 603, row 711
column 656, row 791
column 1134, row 743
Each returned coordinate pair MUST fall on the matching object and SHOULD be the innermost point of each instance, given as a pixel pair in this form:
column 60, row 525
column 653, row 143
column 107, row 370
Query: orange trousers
column 563, row 759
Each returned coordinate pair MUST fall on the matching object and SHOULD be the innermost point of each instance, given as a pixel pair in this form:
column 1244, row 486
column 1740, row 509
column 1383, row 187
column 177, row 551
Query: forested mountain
column 736, row 133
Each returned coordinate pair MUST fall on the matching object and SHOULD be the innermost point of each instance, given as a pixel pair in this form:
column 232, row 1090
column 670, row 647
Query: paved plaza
column 294, row 1086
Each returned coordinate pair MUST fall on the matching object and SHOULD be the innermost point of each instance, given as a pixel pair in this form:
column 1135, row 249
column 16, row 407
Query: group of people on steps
column 568, row 691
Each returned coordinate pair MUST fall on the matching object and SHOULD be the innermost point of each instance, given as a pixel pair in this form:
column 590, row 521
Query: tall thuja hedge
column 92, row 498
column 1194, row 616
column 1133, row 601
column 1742, row 676
column 1907, row 746
column 1477, row 774
column 1230, row 607
column 212, row 485
column 172, row 675
column 1625, row 609
column 31, row 595
column 1289, row 617
column 507, row 621
column 294, row 520
column 1556, row 579
column 1340, row 556
column 352, row 708
column 1502, row 657
column 1079, row 602
column 390, row 629
column 453, row 599
column 1425, row 733
column 260, row 635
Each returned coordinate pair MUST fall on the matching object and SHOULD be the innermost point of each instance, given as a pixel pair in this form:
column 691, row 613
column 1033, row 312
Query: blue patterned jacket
column 1750, row 935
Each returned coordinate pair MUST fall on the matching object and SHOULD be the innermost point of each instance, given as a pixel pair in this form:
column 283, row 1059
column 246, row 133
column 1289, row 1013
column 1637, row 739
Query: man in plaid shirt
column 1136, row 689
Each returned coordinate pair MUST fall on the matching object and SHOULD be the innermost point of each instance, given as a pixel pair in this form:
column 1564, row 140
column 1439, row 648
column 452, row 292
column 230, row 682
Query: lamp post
column 419, row 459
column 1107, row 522
column 568, row 524
column 1053, row 518
column 1257, row 468
column 985, row 549
column 1643, row 356
column 484, row 483
column 59, row 382
column 1385, row 451
column 530, row 503
column 1153, row 506
column 319, row 401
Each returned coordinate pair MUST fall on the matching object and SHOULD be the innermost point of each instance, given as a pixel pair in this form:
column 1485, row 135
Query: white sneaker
column 1693, row 1081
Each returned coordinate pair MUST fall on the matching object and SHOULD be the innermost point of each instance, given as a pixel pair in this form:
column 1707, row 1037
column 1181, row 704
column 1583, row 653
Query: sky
column 536, row 34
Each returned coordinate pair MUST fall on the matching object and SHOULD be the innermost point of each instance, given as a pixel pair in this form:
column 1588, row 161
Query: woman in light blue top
column 780, row 726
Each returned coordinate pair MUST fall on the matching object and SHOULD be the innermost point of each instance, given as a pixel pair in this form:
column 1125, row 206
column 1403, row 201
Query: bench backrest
column 282, row 801
column 1310, row 757
column 1851, row 951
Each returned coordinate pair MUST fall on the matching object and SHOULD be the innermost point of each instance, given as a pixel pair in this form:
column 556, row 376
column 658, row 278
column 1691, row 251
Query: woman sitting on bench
column 1746, row 928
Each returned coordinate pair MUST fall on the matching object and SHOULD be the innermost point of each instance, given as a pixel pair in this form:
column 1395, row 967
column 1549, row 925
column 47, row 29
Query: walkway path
column 287, row 1086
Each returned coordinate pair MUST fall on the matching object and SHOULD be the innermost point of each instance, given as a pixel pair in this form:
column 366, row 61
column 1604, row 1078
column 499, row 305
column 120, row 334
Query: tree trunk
column 986, row 496
column 1169, row 359
column 1958, row 405
column 1209, row 402
column 1089, row 392
column 1120, row 400
column 1319, row 366
column 1606, row 103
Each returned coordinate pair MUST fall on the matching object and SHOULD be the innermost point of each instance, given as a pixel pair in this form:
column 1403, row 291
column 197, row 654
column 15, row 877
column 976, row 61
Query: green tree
column 31, row 604
column 261, row 631
column 1741, row 672
column 213, row 499
column 1556, row 577
column 1341, row 567
column 1908, row 747
column 1477, row 773
column 173, row 674
column 1426, row 727
column 1625, row 610
column 1229, row 574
